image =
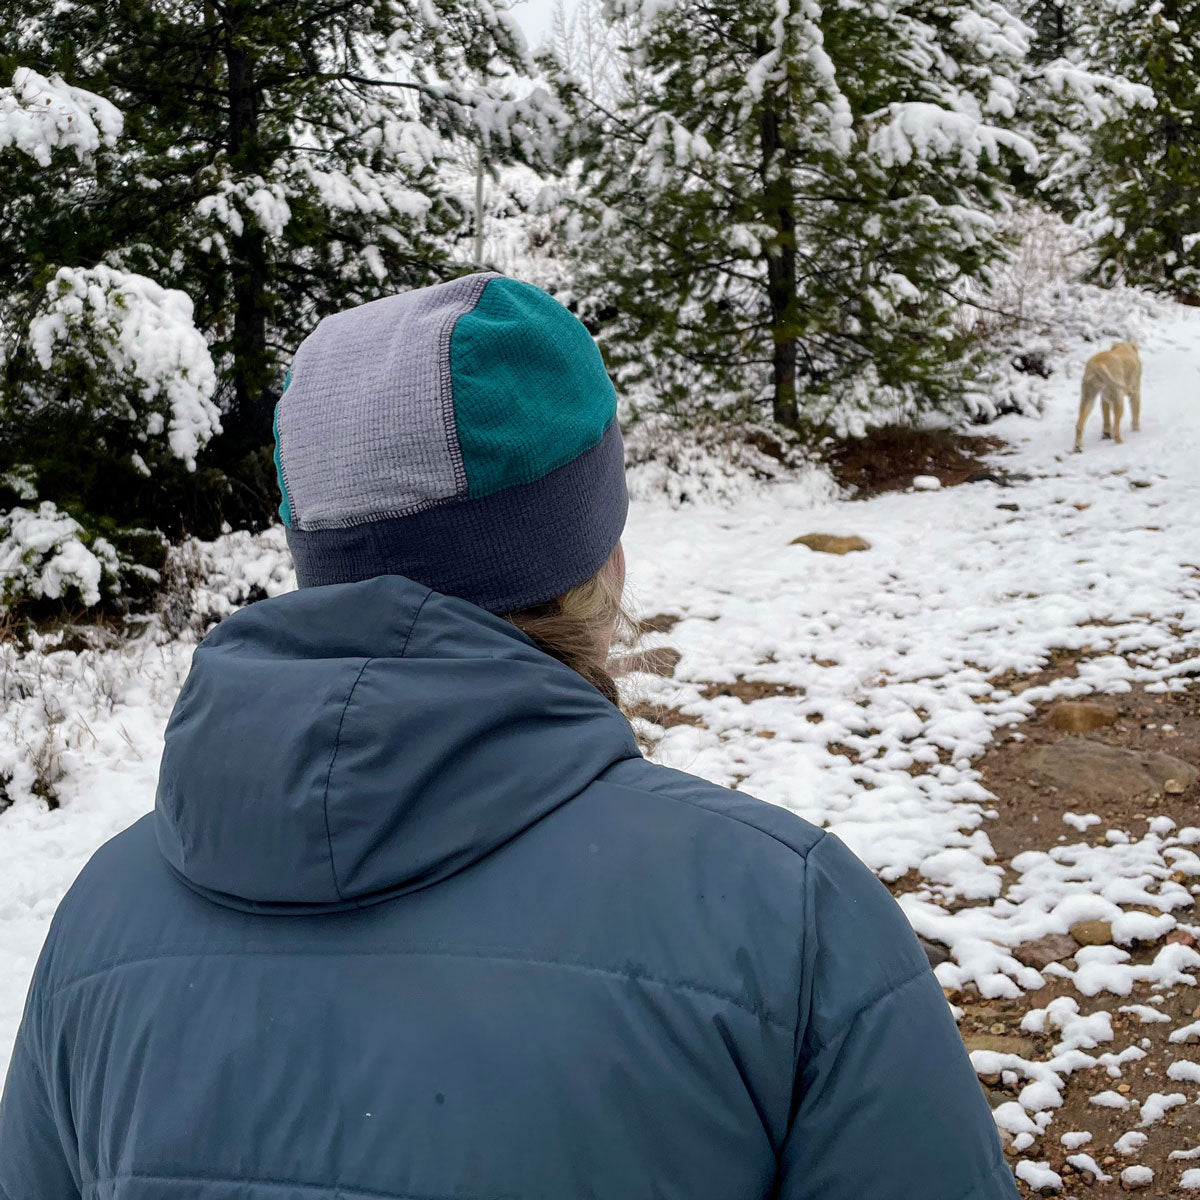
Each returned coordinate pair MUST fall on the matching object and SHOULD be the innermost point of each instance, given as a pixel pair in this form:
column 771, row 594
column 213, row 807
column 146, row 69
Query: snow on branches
column 45, row 555
column 126, row 329
column 925, row 132
column 40, row 115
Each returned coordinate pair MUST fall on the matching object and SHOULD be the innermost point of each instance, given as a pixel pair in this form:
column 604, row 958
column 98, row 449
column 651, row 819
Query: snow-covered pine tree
column 791, row 207
column 278, row 161
column 1064, row 101
column 110, row 380
column 1145, row 164
column 1054, row 24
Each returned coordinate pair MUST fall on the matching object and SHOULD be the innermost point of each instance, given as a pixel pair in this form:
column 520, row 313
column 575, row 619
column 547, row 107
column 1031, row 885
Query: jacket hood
column 340, row 745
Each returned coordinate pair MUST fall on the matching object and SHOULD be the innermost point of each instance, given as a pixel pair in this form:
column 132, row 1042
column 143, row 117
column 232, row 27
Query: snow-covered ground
column 892, row 651
column 887, row 661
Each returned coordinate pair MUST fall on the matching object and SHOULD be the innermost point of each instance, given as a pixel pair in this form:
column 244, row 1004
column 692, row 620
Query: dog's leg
column 1118, row 407
column 1106, row 409
column 1086, row 403
column 1135, row 405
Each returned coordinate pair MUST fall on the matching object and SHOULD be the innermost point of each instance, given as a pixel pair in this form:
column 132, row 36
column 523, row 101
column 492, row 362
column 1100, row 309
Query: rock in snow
column 831, row 543
column 1082, row 716
column 1090, row 769
column 1092, row 933
column 1054, row 947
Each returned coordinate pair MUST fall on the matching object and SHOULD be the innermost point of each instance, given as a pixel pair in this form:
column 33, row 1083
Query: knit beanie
column 462, row 435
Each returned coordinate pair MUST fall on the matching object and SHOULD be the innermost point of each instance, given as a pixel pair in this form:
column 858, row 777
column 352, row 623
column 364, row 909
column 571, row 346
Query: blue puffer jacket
column 413, row 920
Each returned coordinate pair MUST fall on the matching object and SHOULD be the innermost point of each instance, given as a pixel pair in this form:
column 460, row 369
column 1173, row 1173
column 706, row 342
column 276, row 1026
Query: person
column 413, row 917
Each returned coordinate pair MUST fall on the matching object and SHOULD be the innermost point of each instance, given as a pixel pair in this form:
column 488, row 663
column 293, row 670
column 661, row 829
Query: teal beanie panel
column 530, row 389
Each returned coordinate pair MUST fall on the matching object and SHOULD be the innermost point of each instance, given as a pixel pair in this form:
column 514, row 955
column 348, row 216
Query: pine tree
column 279, row 161
column 793, row 206
column 1145, row 164
column 1055, row 24
column 111, row 378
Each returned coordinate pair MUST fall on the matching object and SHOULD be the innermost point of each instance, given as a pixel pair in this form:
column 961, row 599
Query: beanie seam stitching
column 446, row 383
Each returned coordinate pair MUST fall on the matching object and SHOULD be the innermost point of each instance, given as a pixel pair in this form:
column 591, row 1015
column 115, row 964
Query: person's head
column 464, row 436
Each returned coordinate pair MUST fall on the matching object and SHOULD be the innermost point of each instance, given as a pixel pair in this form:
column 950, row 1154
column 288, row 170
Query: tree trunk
column 479, row 172
column 779, row 214
column 249, row 422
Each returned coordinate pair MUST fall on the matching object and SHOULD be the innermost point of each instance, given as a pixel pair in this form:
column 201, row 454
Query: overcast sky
column 534, row 17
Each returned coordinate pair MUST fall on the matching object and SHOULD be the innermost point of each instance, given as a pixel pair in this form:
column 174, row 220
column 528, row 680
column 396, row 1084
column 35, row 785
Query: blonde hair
column 578, row 627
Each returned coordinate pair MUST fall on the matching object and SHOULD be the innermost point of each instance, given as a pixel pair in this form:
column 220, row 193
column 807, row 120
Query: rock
column 1054, row 947
column 935, row 953
column 1009, row 507
column 1082, row 716
column 1174, row 787
column 1181, row 937
column 1092, row 933
column 1023, row 1046
column 1093, row 771
column 829, row 543
column 659, row 660
column 996, row 477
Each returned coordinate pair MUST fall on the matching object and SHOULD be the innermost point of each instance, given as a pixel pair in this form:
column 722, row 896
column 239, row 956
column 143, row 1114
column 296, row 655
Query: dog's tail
column 1089, row 385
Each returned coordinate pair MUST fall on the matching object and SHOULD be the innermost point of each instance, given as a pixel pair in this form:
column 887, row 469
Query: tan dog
column 1112, row 375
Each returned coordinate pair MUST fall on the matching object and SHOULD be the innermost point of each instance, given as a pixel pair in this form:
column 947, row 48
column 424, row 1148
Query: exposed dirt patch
column 1031, row 807
column 662, row 715
column 887, row 459
column 996, row 1025
column 658, row 623
column 746, row 690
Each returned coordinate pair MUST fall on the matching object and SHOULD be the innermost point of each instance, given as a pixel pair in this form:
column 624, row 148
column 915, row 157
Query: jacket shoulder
column 123, row 889
column 744, row 815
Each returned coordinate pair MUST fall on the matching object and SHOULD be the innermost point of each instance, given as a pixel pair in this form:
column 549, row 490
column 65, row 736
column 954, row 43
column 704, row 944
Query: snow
column 1190, row 1179
column 1144, row 1013
column 129, row 325
column 1013, row 1118
column 1158, row 1104
column 1130, row 1143
column 1085, row 1162
column 1184, row 1072
column 39, row 115
column 42, row 554
column 1075, row 1139
column 916, row 130
column 1038, row 1175
column 1137, row 1176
